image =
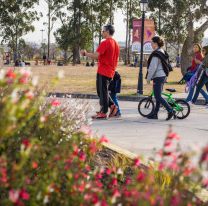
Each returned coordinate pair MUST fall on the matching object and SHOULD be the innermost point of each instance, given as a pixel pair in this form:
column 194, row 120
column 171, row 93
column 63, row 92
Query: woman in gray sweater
column 157, row 72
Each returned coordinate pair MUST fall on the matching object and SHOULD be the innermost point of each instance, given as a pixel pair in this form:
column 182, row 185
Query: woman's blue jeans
column 203, row 81
column 191, row 93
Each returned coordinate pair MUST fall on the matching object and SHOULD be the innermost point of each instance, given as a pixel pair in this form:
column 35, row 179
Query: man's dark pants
column 102, row 84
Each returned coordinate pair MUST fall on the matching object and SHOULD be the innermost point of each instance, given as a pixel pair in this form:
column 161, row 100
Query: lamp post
column 143, row 5
column 42, row 30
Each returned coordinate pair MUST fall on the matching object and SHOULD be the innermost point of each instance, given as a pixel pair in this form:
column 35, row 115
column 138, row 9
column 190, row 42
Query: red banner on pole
column 149, row 32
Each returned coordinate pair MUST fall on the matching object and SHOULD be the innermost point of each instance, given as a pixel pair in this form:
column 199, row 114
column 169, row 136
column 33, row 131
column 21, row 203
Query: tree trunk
column 65, row 56
column 16, row 46
column 76, row 28
column 186, row 55
column 129, row 34
column 159, row 17
column 79, row 33
column 193, row 36
column 76, row 55
column 111, row 12
column 49, row 28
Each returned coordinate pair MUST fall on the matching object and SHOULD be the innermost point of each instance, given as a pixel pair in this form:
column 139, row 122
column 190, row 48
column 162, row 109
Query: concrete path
column 139, row 135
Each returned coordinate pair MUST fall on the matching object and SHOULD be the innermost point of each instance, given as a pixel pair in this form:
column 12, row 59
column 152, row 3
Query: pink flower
column 75, row 150
column 10, row 74
column 86, row 130
column 29, row 95
column 173, row 136
column 168, row 143
column 82, row 156
column 188, row 171
column 14, row 195
column 116, row 193
column 128, row 180
column 103, row 139
column 173, row 166
column 93, row 147
column 3, row 175
column 175, row 200
column 26, row 143
column 99, row 184
column 108, row 171
column 95, row 199
column 140, row 176
column 25, row 77
column 81, row 187
column 34, row 165
column 137, row 162
column 161, row 166
column 24, row 195
column 205, row 182
column 114, row 182
column 87, row 167
column 104, row 203
column 204, row 156
column 55, row 103
column 23, row 80
column 99, row 176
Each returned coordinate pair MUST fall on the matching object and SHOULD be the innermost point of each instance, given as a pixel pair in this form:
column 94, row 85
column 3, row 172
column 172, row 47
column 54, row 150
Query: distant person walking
column 203, row 79
column 158, row 70
column 107, row 55
column 178, row 61
column 196, row 61
column 44, row 59
column 193, row 81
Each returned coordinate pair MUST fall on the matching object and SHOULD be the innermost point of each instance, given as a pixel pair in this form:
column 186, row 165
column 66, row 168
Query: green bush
column 46, row 154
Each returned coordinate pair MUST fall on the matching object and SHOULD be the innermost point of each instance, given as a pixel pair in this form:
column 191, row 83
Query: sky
column 36, row 36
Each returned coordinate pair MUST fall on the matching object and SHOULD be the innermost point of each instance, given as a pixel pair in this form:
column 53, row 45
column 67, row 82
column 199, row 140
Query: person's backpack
column 164, row 57
column 115, row 84
column 170, row 68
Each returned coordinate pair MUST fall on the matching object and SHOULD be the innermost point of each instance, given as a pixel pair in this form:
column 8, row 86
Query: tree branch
column 202, row 28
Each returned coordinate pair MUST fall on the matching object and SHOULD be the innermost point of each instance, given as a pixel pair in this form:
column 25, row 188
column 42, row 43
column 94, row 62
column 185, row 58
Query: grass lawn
column 81, row 79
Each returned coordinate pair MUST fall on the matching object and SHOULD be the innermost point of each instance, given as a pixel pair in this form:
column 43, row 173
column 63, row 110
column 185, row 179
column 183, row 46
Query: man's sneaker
column 171, row 115
column 153, row 116
column 100, row 115
column 113, row 110
column 117, row 115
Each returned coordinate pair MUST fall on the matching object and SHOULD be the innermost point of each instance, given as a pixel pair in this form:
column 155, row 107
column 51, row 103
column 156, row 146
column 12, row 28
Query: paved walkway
column 139, row 135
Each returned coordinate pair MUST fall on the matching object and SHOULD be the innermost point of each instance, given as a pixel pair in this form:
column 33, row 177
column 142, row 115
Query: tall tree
column 75, row 31
column 16, row 20
column 180, row 18
column 53, row 7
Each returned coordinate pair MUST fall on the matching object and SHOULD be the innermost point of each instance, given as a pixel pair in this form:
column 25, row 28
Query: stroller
column 187, row 76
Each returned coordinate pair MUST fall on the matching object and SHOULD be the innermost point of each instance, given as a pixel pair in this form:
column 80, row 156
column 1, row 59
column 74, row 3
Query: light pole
column 143, row 5
column 42, row 30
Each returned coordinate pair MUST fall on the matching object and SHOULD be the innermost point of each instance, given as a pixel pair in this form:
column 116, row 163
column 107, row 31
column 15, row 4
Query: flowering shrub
column 46, row 156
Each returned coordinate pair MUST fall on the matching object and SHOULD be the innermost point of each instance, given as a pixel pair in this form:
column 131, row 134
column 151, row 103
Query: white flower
column 120, row 171
column 14, row 96
column 35, row 81
column 2, row 74
column 46, row 200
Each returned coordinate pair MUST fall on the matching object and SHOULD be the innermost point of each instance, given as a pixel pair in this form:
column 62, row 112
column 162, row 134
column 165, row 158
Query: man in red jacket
column 107, row 55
